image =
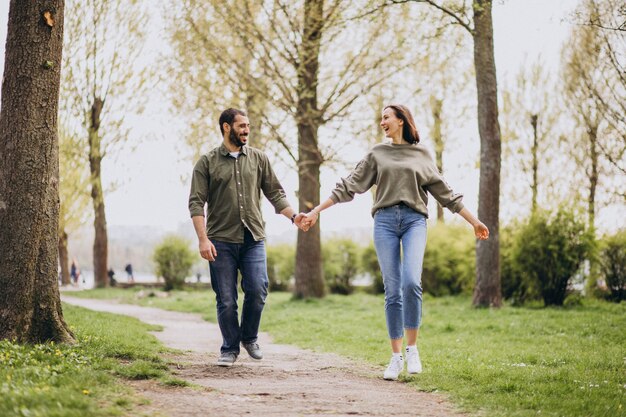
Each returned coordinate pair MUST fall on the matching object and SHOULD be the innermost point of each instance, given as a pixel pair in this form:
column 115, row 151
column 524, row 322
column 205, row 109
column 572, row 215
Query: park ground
column 509, row 362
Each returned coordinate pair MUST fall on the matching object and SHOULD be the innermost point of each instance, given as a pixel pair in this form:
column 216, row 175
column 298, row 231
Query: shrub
column 550, row 249
column 341, row 264
column 173, row 259
column 370, row 265
column 281, row 263
column 515, row 287
column 613, row 264
column 449, row 262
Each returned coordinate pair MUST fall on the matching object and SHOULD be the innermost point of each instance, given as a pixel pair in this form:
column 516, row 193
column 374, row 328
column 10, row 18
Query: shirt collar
column 224, row 150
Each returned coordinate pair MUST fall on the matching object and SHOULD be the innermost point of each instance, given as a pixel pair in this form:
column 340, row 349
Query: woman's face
column 392, row 126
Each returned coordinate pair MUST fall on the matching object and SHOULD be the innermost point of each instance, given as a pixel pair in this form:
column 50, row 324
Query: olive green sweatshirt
column 403, row 174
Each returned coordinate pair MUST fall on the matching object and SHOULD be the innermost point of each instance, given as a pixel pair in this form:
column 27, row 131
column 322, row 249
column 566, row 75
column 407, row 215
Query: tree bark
column 487, row 292
column 436, row 109
column 309, row 274
column 64, row 258
column 592, row 132
column 30, row 307
column 535, row 163
column 100, row 243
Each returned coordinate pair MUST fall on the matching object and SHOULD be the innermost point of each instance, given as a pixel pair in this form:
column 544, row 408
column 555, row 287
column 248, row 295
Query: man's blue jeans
column 250, row 259
column 400, row 228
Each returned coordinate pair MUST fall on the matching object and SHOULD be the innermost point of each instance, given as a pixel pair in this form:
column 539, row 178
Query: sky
column 150, row 191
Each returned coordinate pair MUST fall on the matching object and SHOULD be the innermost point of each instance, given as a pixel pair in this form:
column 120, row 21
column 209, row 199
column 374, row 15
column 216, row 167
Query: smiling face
column 392, row 125
column 238, row 132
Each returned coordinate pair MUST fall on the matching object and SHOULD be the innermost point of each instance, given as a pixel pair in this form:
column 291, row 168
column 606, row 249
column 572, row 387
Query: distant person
column 129, row 273
column 403, row 172
column 74, row 272
column 112, row 280
column 229, row 180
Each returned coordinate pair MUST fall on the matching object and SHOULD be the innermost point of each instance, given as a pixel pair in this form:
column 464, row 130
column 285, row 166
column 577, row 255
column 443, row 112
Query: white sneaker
column 413, row 363
column 396, row 365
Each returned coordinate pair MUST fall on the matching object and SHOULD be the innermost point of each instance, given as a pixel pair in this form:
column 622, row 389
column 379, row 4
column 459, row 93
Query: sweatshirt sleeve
column 361, row 179
column 443, row 193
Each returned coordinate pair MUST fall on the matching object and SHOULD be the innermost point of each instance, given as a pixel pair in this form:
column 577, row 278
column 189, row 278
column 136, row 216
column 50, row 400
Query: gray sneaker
column 227, row 359
column 253, row 350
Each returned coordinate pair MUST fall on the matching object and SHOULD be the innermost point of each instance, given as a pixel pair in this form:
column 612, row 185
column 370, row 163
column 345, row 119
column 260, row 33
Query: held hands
column 305, row 221
column 481, row 231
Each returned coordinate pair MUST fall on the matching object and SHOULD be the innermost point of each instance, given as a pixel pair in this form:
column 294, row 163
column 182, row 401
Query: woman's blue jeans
column 400, row 241
column 250, row 259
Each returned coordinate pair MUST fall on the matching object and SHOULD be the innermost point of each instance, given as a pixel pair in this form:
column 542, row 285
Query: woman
column 403, row 172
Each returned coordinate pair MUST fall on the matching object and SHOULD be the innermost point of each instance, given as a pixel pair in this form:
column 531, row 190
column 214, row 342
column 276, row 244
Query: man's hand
column 301, row 223
column 207, row 250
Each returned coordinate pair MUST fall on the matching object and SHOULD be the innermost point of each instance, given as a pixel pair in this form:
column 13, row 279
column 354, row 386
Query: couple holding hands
column 229, row 180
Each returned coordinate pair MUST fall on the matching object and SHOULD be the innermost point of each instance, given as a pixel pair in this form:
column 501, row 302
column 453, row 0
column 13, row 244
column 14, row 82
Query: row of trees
column 302, row 68
column 306, row 67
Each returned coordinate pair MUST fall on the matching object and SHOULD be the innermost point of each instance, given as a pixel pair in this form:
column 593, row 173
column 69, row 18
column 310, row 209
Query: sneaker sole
column 225, row 364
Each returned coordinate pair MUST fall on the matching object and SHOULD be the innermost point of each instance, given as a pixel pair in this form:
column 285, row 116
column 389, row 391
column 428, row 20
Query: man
column 230, row 179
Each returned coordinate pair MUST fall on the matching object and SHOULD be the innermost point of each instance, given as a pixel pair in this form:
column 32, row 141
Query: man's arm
column 207, row 250
column 296, row 218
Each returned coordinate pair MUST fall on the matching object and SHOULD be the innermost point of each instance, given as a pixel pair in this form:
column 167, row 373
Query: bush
column 550, row 249
column 515, row 287
column 370, row 265
column 173, row 259
column 613, row 264
column 341, row 264
column 450, row 261
column 281, row 264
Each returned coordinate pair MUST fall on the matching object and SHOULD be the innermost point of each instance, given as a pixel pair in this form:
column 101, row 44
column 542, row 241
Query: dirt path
column 288, row 382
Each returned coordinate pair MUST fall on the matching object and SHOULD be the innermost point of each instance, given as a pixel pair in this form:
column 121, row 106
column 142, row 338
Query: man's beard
column 234, row 139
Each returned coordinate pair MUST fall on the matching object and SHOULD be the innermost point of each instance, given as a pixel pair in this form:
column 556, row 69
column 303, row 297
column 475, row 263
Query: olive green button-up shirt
column 231, row 188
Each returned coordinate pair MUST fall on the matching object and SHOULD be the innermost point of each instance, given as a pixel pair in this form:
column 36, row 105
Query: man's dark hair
column 228, row 116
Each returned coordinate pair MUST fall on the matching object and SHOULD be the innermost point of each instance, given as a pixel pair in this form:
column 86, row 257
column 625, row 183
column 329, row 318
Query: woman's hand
column 481, row 231
column 311, row 218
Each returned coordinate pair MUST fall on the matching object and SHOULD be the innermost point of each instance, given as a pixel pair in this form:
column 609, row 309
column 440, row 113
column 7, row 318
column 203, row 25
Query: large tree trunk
column 487, row 292
column 30, row 308
column 64, row 258
column 309, row 273
column 436, row 109
column 100, row 243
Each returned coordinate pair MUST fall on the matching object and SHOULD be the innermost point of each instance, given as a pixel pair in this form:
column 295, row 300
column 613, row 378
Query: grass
column 51, row 380
column 513, row 362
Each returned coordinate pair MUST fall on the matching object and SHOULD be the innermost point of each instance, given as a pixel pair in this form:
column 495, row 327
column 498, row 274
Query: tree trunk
column 436, row 108
column 30, row 308
column 309, row 273
column 487, row 292
column 535, row 167
column 592, row 131
column 64, row 258
column 100, row 243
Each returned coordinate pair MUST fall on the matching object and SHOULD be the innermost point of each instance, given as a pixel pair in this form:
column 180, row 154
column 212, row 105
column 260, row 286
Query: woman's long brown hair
column 409, row 131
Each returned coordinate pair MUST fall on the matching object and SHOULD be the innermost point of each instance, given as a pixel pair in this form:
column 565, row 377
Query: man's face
column 239, row 131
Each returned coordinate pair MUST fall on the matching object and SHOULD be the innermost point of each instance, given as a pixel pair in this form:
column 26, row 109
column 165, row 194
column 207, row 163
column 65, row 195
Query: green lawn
column 84, row 379
column 508, row 362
